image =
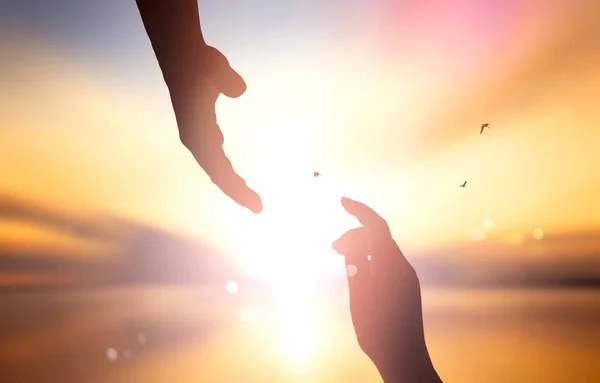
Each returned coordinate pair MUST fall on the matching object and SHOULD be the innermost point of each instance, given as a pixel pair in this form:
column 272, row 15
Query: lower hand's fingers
column 386, row 255
column 353, row 245
column 366, row 216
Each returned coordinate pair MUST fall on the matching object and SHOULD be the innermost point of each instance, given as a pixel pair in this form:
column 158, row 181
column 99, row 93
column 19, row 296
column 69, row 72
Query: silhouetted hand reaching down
column 385, row 300
column 196, row 74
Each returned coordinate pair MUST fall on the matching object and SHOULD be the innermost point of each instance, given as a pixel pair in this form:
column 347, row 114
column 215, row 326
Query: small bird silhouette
column 464, row 185
column 483, row 126
column 316, row 174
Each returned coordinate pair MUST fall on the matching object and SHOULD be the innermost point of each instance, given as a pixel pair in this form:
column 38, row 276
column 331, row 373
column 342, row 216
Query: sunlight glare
column 299, row 337
column 247, row 315
column 290, row 241
column 298, row 333
column 538, row 234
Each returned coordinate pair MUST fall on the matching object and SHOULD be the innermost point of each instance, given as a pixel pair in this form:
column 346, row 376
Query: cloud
column 145, row 255
column 151, row 256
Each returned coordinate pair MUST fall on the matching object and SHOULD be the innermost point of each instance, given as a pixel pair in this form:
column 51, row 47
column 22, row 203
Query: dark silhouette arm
column 385, row 300
column 173, row 27
column 196, row 74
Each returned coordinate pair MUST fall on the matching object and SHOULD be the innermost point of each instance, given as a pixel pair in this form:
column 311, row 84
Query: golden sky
column 388, row 114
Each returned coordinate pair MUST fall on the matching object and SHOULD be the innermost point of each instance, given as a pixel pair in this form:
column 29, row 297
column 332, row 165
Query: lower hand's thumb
column 353, row 242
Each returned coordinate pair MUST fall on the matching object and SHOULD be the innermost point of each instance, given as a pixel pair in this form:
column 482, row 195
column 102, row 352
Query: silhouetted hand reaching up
column 385, row 300
column 196, row 74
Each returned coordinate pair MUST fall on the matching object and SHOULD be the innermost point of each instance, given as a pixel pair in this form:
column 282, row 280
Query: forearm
column 415, row 367
column 173, row 27
column 423, row 374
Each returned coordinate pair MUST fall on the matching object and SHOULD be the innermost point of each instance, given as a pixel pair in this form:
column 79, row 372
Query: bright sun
column 289, row 243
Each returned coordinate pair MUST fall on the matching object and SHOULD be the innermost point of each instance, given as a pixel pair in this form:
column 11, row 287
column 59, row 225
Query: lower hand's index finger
column 365, row 215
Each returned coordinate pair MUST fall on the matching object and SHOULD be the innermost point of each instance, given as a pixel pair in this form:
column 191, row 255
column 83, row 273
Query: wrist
column 181, row 68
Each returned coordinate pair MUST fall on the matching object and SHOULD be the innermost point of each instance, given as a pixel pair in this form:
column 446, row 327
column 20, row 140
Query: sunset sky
column 384, row 98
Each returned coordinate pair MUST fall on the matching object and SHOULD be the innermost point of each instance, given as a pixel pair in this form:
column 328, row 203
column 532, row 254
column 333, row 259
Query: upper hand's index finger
column 221, row 172
column 207, row 148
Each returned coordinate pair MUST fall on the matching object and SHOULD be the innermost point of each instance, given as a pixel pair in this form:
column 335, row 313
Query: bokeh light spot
column 487, row 223
column 232, row 287
column 112, row 355
column 351, row 270
column 538, row 234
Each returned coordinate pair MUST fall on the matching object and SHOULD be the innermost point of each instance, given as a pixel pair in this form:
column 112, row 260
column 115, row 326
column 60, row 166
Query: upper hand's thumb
column 225, row 79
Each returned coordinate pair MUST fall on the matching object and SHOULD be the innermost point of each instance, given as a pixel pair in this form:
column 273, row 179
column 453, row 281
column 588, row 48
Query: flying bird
column 316, row 174
column 483, row 126
column 464, row 185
